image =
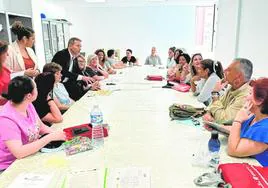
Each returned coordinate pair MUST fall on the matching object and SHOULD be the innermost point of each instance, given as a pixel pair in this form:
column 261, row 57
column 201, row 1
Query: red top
column 29, row 63
column 4, row 81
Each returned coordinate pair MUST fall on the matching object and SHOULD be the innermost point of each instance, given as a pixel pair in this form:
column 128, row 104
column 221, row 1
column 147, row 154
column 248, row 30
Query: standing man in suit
column 67, row 58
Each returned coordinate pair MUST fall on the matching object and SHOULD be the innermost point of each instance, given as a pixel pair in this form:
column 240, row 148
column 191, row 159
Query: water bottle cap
column 95, row 106
column 214, row 134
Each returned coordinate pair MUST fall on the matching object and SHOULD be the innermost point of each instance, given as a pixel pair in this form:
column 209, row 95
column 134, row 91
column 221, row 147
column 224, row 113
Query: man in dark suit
column 67, row 58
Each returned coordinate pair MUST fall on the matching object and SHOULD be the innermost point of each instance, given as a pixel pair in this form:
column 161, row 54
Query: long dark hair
column 104, row 55
column 212, row 66
column 18, row 88
column 44, row 83
column 3, row 49
column 186, row 56
column 21, row 31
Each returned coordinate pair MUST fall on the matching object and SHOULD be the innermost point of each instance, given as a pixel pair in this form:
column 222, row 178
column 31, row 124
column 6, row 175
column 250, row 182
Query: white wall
column 242, row 32
column 253, row 35
column 51, row 11
column 17, row 6
column 138, row 28
column 226, row 31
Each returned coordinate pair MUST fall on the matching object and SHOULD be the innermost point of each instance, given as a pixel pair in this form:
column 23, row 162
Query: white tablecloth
column 141, row 135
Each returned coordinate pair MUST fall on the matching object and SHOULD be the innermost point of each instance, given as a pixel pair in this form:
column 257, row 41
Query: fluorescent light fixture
column 156, row 0
column 95, row 1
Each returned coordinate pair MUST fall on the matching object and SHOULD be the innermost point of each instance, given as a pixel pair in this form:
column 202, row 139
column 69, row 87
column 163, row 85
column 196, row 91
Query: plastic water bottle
column 96, row 118
column 214, row 148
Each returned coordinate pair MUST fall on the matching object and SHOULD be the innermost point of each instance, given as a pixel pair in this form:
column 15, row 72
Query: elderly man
column 223, row 109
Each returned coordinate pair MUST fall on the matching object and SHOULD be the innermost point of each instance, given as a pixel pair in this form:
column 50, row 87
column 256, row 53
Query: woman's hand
column 57, row 135
column 244, row 113
column 195, row 78
column 31, row 72
column 186, row 68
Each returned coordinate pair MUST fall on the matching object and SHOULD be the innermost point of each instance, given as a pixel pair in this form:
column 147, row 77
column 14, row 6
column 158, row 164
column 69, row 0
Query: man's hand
column 95, row 86
column 208, row 117
column 88, row 79
column 220, row 85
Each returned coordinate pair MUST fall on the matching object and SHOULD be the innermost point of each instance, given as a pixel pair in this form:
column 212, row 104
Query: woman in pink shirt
column 20, row 126
column 4, row 72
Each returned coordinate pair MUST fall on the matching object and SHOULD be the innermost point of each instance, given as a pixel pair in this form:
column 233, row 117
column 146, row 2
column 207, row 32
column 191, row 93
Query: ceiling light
column 95, row 1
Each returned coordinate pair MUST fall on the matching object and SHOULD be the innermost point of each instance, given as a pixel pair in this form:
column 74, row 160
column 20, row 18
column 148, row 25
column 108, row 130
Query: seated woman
column 22, row 59
column 170, row 61
column 129, row 59
column 4, row 72
column 112, row 62
column 93, row 68
column 211, row 72
column 61, row 96
column 196, row 81
column 176, row 55
column 45, row 104
column 103, row 63
column 248, row 136
column 20, row 125
column 181, row 72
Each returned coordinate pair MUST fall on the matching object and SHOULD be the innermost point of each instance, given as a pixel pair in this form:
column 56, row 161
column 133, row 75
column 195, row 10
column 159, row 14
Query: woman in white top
column 61, row 96
column 211, row 71
column 22, row 59
column 170, row 61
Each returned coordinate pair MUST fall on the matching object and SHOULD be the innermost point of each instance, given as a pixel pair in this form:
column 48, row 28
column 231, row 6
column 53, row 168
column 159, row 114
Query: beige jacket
column 15, row 60
column 225, row 109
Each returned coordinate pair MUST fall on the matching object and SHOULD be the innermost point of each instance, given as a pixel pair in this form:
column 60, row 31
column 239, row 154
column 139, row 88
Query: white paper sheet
column 31, row 180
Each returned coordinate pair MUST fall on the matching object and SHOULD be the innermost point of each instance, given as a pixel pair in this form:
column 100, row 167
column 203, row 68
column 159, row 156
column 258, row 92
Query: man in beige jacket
column 224, row 109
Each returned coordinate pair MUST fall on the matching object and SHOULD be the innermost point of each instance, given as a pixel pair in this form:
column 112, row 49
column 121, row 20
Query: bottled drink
column 214, row 147
column 96, row 118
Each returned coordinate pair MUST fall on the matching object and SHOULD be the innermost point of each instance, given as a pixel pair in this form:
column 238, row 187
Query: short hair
column 129, row 50
column 18, row 29
column 72, row 41
column 52, row 67
column 18, row 88
column 90, row 57
column 260, row 93
column 246, row 67
column 110, row 52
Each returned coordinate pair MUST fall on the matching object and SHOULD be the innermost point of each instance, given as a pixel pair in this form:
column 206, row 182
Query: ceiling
column 132, row 2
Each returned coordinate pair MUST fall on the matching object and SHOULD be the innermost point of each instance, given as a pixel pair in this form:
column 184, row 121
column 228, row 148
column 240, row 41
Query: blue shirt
column 257, row 132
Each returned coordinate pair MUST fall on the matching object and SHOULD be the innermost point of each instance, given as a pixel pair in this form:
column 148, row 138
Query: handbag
column 244, row 175
column 182, row 111
column 154, row 77
column 84, row 130
column 181, row 87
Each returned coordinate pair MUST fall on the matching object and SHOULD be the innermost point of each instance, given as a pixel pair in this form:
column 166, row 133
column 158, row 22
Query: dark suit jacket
column 63, row 58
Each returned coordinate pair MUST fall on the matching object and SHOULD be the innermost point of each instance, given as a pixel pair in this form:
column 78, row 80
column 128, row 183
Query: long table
column 141, row 135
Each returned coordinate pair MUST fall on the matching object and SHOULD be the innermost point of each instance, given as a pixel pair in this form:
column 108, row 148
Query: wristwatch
column 215, row 94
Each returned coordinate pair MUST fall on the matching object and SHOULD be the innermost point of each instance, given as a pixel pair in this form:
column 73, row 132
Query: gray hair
column 246, row 67
column 72, row 41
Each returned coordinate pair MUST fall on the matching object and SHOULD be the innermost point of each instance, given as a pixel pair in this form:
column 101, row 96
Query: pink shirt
column 15, row 126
